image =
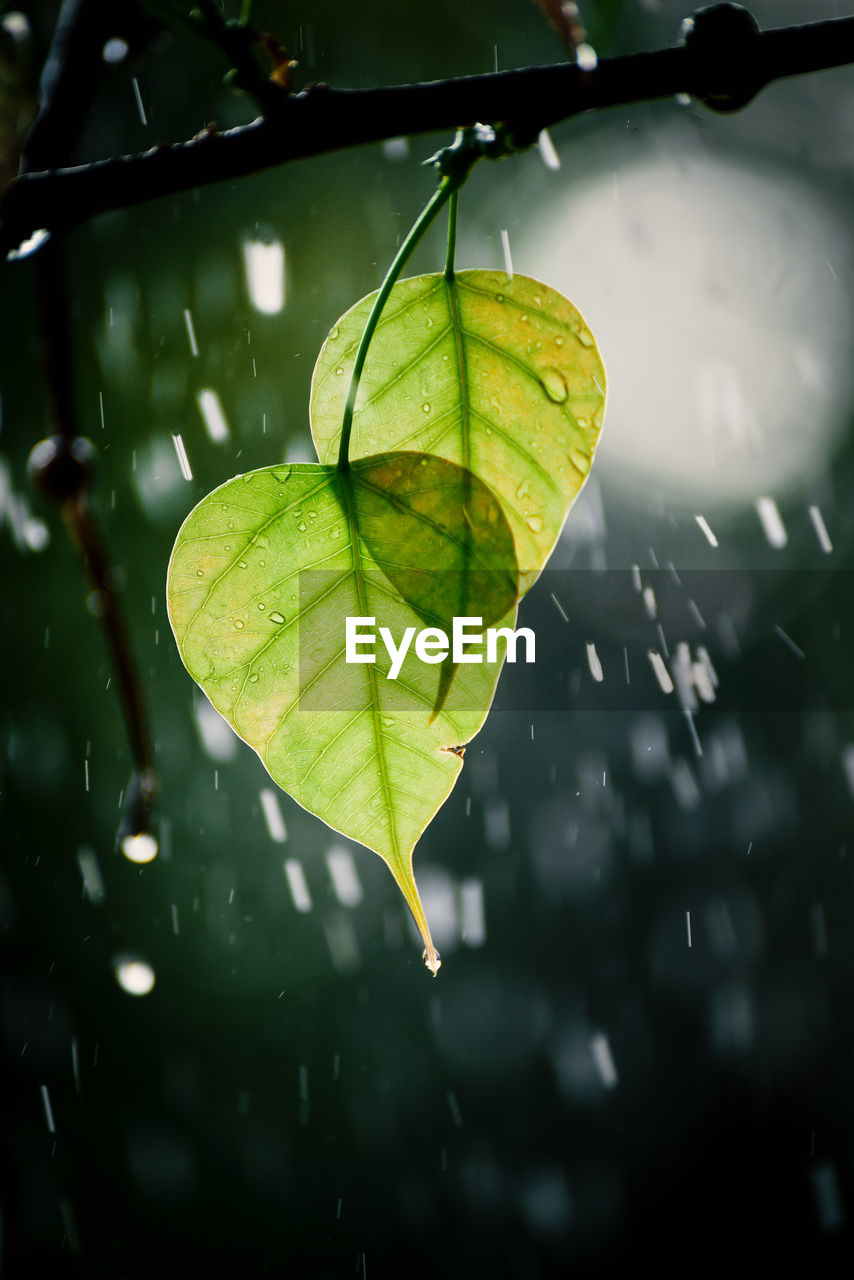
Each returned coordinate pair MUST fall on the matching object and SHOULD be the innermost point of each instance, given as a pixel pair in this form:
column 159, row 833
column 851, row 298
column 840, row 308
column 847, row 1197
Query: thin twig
column 323, row 119
column 80, row 27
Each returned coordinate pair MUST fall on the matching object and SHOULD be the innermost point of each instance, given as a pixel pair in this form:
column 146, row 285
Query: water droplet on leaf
column 276, row 617
column 554, row 385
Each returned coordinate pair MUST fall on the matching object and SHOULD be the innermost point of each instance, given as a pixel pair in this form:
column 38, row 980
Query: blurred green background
column 639, row 1045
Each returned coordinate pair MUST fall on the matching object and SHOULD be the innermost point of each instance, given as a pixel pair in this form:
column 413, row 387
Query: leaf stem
column 446, row 189
column 452, row 235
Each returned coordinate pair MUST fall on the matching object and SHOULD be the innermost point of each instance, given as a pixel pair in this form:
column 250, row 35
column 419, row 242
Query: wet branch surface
column 724, row 61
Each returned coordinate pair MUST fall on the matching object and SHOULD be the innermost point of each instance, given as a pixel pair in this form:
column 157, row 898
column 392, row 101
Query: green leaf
column 264, row 572
column 498, row 374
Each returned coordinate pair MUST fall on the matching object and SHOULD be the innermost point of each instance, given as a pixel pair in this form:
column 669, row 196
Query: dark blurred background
column 638, row 1051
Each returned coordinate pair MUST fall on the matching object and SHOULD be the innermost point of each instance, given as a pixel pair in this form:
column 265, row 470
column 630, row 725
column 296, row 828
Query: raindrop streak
column 212, row 414
column 819, row 929
column 662, row 675
column 48, row 1110
column 559, row 607
column 848, row 764
column 594, row 664
column 704, row 525
column 789, row 643
column 454, row 1108
column 93, row 884
column 820, row 530
column 75, row 1063
column 273, row 816
column 183, row 460
column 139, row 105
column 688, row 928
column 344, row 876
column 505, row 248
column 772, row 522
column 297, row 885
column 548, row 154
column 603, row 1059
column 191, row 331
column 264, row 263
column 473, row 916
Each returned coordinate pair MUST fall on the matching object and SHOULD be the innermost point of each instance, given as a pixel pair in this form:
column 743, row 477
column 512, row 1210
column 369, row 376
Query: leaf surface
column 498, row 374
column 264, row 572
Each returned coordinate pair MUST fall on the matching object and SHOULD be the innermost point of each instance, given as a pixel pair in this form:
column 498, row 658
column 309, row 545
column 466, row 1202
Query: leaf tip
column 432, row 959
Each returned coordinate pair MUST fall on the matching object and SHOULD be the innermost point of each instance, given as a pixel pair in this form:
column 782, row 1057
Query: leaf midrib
column 363, row 604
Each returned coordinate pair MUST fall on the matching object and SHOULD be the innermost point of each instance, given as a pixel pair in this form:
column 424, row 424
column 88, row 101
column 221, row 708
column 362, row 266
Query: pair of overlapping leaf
column 475, row 426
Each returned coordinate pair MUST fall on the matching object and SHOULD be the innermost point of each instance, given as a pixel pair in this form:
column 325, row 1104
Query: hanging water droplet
column 579, row 460
column 535, row 524
column 276, row 617
column 554, row 385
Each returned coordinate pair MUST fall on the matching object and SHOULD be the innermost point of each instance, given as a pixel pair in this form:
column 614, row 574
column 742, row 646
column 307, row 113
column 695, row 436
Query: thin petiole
column 452, row 235
column 446, row 187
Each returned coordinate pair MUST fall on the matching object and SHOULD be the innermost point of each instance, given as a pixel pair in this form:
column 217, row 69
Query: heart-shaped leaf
column 498, row 374
column 263, row 576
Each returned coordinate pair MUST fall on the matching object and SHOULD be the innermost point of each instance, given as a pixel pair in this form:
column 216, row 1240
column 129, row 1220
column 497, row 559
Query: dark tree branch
column 724, row 61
